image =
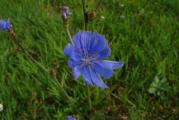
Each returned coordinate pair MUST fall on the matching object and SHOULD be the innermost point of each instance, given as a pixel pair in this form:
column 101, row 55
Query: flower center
column 87, row 61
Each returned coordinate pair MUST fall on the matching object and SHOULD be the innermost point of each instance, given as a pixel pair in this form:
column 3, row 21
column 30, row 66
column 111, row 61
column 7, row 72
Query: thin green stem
column 65, row 93
column 89, row 98
column 128, row 101
column 37, row 63
column 85, row 14
column 28, row 55
column 69, row 35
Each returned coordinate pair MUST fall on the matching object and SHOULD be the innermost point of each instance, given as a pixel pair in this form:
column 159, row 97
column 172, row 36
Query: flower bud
column 65, row 14
column 91, row 15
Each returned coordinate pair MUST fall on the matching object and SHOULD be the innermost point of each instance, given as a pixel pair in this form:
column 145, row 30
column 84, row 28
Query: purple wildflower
column 86, row 58
column 5, row 25
column 71, row 118
column 65, row 12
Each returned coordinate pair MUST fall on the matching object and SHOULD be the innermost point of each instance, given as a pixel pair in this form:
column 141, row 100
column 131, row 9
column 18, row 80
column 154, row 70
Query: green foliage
column 143, row 33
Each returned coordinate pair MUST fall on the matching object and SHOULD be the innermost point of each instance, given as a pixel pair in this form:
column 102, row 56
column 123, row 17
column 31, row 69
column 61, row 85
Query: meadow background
column 143, row 33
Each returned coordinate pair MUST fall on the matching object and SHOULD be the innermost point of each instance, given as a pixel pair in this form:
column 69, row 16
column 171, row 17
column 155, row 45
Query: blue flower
column 5, row 25
column 71, row 118
column 86, row 55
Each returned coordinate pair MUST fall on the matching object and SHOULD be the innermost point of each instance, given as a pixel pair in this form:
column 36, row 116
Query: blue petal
column 105, row 53
column 103, row 68
column 82, row 41
column 87, row 76
column 68, row 49
column 89, row 42
column 72, row 63
column 106, row 68
column 75, row 56
column 92, row 77
column 97, row 43
column 76, row 72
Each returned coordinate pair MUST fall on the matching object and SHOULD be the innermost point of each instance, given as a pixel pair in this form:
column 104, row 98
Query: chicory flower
column 5, row 25
column 86, row 55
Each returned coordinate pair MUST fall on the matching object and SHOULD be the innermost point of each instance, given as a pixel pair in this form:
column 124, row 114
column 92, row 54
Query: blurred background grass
column 143, row 33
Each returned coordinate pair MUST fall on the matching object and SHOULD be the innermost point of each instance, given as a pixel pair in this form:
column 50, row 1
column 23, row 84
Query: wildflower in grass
column 65, row 13
column 5, row 25
column 86, row 57
column 1, row 107
column 71, row 118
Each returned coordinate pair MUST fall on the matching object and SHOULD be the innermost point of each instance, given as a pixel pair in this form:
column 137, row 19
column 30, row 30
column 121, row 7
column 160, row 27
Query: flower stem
column 27, row 53
column 89, row 98
column 85, row 14
column 69, row 35
column 37, row 63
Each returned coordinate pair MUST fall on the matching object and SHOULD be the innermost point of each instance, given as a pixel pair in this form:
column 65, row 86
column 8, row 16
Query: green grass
column 143, row 33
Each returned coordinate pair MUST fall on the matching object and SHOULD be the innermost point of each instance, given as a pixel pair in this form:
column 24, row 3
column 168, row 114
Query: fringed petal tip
column 115, row 64
column 104, row 86
column 120, row 64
